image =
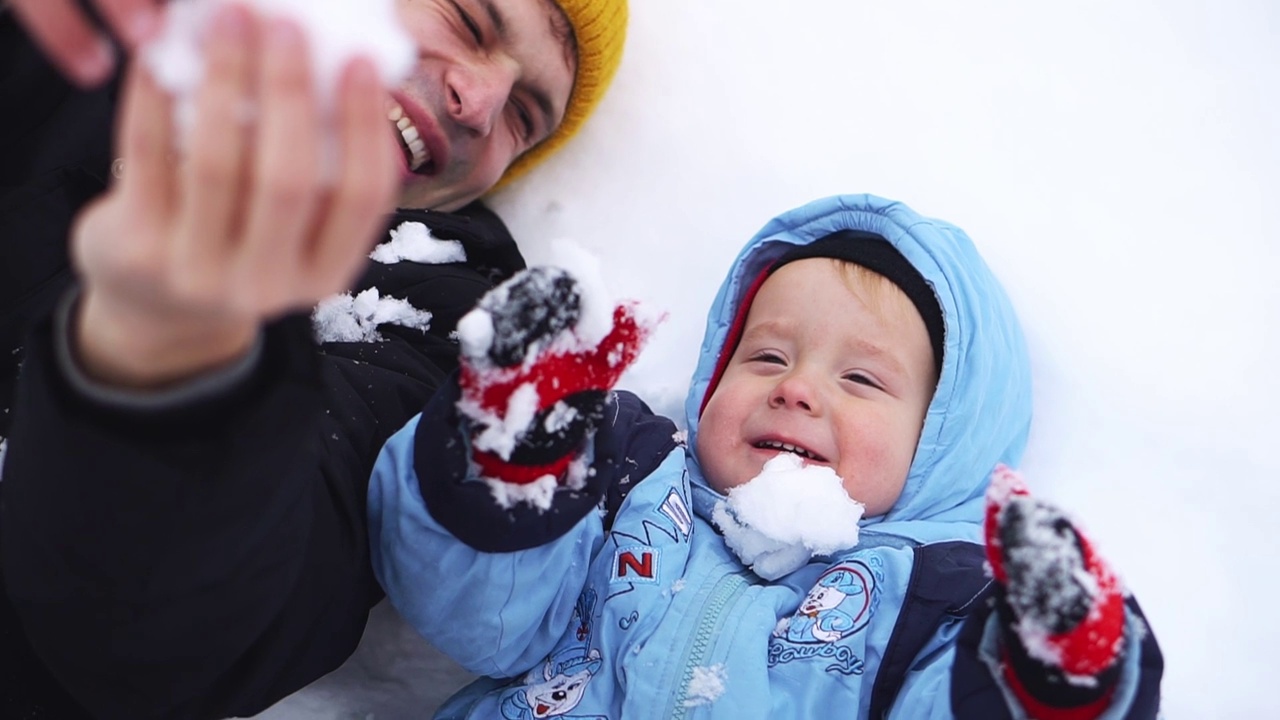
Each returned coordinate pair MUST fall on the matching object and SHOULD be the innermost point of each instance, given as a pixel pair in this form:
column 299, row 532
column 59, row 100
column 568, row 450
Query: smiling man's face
column 492, row 79
column 839, row 377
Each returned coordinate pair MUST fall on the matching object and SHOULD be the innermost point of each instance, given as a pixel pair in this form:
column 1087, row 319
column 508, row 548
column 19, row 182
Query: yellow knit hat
column 600, row 27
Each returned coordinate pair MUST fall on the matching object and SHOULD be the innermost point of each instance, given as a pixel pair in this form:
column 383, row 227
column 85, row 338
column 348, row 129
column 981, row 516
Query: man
column 161, row 556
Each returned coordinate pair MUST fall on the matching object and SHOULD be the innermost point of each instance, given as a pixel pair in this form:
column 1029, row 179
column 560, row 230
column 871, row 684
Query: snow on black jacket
column 207, row 559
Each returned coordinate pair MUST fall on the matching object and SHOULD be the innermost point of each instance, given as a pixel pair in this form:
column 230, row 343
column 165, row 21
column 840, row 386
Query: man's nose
column 796, row 391
column 478, row 92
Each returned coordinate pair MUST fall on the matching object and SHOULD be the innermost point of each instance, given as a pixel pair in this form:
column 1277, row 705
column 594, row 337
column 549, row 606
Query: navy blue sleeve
column 631, row 442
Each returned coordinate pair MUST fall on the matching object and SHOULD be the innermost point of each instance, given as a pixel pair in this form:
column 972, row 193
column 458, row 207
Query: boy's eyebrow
column 539, row 94
column 883, row 354
column 760, row 328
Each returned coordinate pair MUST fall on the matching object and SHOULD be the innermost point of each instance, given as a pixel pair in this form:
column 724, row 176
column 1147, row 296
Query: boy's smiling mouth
column 790, row 448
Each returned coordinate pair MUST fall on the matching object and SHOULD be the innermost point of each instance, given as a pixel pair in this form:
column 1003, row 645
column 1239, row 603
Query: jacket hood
column 981, row 410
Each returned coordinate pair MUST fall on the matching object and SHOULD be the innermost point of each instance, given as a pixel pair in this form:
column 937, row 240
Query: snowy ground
column 1112, row 161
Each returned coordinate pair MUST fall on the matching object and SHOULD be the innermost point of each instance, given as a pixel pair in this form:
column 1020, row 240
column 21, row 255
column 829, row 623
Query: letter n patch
column 635, row 564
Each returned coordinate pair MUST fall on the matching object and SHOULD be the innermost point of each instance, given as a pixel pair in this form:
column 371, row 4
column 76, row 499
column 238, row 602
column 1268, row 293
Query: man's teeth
column 409, row 137
column 786, row 447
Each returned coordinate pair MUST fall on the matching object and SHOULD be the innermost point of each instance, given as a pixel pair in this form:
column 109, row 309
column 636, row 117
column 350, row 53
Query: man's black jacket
column 146, row 573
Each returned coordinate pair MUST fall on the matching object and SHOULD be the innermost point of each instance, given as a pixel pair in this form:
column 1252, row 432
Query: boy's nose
column 794, row 391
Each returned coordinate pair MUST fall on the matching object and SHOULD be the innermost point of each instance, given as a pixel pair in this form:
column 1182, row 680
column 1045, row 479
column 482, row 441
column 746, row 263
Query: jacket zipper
column 710, row 620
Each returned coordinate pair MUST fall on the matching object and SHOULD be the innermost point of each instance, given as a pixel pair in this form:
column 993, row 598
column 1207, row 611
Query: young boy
column 852, row 333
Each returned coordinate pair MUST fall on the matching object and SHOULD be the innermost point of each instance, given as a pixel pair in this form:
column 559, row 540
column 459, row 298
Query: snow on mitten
column 1061, row 607
column 536, row 367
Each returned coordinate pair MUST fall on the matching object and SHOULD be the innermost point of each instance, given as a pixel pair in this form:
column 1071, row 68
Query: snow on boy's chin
column 788, row 514
column 336, row 31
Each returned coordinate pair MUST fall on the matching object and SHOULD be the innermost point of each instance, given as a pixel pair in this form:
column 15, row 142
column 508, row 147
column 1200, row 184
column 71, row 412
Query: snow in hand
column 526, row 344
column 1047, row 582
column 336, row 31
column 343, row 318
column 595, row 318
column 787, row 514
column 414, row 242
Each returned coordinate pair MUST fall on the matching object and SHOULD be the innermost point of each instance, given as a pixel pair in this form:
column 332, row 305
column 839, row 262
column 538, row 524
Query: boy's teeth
column 787, row 447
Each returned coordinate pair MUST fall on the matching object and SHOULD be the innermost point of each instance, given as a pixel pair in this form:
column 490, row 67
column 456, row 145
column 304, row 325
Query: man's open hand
column 185, row 258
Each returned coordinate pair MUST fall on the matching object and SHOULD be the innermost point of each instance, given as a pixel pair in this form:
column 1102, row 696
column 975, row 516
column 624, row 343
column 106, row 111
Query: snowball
column 336, row 31
column 596, row 301
column 343, row 318
column 706, row 685
column 502, row 317
column 787, row 514
column 414, row 242
column 475, row 335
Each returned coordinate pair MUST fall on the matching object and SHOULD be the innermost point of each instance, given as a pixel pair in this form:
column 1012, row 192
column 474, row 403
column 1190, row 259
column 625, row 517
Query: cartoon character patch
column 562, row 682
column 841, row 603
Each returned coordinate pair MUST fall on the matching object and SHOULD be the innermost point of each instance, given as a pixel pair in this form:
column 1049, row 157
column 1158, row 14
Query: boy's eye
column 861, row 379
column 472, row 26
column 767, row 357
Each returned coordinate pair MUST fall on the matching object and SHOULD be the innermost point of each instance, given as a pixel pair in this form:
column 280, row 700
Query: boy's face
column 845, row 381
column 492, row 80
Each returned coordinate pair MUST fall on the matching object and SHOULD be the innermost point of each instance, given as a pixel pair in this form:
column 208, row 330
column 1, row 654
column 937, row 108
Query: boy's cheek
column 716, row 467
column 876, row 479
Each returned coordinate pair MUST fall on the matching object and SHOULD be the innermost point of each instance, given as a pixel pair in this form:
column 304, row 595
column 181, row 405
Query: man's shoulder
column 485, row 240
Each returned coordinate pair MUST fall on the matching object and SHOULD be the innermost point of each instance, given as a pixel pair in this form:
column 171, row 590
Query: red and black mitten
column 1061, row 607
column 536, row 369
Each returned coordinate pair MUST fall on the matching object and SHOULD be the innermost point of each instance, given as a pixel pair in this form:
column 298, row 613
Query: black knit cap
column 876, row 254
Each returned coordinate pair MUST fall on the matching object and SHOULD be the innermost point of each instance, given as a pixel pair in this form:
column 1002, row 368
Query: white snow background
column 1110, row 159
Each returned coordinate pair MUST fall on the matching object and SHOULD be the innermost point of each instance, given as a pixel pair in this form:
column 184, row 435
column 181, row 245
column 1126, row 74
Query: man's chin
column 423, row 194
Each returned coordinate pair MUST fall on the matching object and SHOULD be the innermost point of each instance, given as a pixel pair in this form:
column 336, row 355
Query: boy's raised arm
column 1063, row 642
column 493, row 493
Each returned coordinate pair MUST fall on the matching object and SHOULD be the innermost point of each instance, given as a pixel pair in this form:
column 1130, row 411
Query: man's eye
column 471, row 24
column 525, row 120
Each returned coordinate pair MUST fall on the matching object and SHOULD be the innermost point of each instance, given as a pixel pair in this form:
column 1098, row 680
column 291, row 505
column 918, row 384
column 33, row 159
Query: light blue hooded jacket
column 646, row 613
